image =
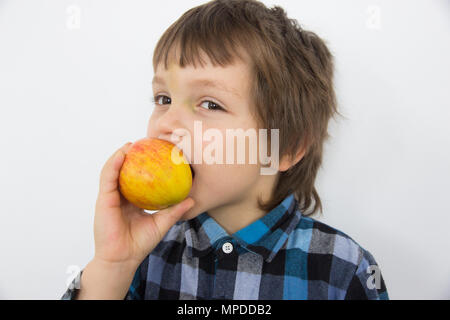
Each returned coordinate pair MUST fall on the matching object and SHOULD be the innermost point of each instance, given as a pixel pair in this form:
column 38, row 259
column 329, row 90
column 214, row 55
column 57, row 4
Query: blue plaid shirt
column 283, row 255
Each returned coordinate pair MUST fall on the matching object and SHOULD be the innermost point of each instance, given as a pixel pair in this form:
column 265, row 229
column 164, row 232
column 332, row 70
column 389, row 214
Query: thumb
column 166, row 218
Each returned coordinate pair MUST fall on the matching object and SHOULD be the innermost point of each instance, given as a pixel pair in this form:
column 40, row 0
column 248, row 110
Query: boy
column 240, row 234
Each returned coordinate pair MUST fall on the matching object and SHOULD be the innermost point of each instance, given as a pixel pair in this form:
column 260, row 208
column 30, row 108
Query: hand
column 125, row 233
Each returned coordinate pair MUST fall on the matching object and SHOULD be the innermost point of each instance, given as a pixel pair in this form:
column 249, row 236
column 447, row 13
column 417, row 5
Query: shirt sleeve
column 135, row 292
column 73, row 289
column 367, row 282
column 137, row 287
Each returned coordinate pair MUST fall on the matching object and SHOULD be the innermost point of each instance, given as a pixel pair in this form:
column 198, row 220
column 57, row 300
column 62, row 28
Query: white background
column 71, row 94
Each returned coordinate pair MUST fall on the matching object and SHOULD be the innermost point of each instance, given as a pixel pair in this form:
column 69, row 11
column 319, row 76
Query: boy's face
column 182, row 100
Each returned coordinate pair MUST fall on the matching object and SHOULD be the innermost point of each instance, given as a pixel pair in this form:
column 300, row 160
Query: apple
column 155, row 174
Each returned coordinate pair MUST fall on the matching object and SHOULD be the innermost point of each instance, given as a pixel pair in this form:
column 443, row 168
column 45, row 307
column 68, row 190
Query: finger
column 166, row 218
column 110, row 172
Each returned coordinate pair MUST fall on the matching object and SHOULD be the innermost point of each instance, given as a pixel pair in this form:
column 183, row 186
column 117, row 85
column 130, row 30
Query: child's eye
column 213, row 106
column 159, row 100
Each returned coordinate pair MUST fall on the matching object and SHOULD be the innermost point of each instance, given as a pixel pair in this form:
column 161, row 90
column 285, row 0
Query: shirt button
column 227, row 247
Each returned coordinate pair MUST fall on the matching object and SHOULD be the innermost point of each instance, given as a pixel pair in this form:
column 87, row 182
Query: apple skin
column 150, row 179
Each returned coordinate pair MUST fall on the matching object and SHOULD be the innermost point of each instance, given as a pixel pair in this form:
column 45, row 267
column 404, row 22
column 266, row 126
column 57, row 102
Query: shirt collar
column 265, row 236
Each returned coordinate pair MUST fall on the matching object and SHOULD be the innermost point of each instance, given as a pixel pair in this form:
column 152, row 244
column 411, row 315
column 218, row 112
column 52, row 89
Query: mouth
column 190, row 164
column 192, row 171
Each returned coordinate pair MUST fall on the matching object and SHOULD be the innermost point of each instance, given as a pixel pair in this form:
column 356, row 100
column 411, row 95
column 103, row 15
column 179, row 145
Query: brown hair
column 292, row 72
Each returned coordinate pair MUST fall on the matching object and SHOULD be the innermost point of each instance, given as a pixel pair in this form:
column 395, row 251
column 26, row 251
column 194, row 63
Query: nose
column 170, row 125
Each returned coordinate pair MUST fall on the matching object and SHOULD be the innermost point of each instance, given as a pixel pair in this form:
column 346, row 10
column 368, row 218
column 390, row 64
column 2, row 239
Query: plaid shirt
column 283, row 255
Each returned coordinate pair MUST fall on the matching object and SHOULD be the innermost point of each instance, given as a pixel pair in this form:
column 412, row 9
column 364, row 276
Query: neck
column 237, row 215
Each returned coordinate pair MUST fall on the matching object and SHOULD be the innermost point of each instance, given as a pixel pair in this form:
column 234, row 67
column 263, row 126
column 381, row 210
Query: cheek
column 226, row 180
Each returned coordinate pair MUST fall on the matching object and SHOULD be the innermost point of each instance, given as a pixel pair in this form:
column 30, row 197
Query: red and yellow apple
column 155, row 174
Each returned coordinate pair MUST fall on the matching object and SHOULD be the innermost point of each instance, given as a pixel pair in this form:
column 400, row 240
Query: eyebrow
column 204, row 83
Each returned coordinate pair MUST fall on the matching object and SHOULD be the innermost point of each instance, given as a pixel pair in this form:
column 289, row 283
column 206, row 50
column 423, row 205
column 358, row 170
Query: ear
column 287, row 161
